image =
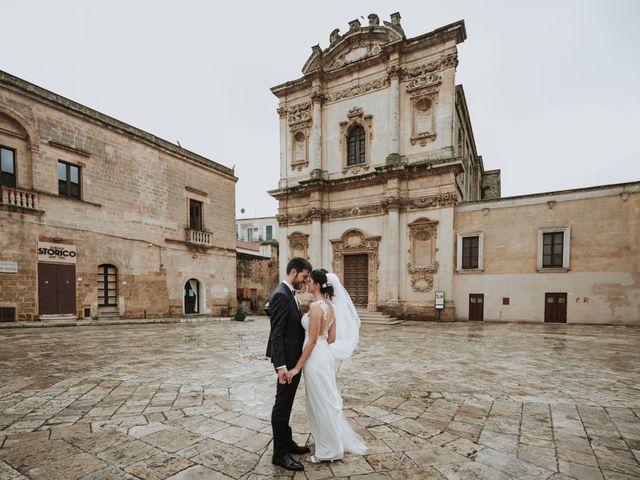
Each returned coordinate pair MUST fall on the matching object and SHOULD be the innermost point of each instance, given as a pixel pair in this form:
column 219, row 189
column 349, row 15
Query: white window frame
column 566, row 243
column 480, row 268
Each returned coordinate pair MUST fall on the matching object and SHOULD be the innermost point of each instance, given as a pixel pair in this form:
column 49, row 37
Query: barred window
column 355, row 146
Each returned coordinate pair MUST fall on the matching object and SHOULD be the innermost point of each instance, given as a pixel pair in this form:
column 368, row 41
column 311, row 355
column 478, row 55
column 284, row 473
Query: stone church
column 381, row 182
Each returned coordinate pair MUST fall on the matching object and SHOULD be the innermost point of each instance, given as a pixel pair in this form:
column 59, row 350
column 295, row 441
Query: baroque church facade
column 380, row 182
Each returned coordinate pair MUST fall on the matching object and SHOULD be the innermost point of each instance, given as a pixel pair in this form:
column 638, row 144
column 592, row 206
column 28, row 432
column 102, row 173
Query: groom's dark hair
column 299, row 264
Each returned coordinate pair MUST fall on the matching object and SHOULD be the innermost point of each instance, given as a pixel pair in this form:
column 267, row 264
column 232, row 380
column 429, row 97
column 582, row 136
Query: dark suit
column 284, row 348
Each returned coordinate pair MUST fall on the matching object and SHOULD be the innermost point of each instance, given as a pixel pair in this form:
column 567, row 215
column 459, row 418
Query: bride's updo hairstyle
column 320, row 276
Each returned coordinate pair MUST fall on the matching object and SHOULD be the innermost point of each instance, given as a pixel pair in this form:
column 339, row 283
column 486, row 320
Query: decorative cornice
column 73, row 108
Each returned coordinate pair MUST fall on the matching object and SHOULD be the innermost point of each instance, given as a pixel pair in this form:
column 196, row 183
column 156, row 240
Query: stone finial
column 395, row 19
column 354, row 24
column 374, row 20
column 335, row 36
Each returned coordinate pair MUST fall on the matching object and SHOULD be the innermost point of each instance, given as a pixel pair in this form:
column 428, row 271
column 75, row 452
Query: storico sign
column 56, row 253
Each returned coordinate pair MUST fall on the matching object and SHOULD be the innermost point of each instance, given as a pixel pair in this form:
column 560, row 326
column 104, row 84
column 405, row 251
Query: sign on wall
column 56, row 253
column 439, row 300
column 8, row 267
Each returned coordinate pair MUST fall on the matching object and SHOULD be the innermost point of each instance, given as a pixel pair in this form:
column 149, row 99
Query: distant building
column 101, row 219
column 258, row 229
column 381, row 182
column 257, row 274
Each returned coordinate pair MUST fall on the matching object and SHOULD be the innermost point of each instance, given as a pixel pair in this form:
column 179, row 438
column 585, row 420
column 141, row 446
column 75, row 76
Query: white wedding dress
column 330, row 430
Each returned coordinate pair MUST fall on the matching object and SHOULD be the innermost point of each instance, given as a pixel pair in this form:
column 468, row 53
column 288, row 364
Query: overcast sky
column 552, row 86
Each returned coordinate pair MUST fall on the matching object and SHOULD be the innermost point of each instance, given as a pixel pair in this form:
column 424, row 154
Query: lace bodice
column 327, row 319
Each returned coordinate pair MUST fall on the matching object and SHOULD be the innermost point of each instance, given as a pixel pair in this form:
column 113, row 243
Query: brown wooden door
column 56, row 288
column 356, row 278
column 555, row 307
column 476, row 307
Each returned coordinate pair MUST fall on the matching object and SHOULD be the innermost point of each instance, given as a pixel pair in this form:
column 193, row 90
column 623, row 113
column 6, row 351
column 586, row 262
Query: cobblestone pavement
column 433, row 401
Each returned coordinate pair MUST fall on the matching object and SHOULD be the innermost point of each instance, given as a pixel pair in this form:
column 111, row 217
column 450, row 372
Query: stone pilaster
column 315, row 147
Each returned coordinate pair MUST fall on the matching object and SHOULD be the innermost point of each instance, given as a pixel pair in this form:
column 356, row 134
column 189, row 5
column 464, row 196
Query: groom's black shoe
column 297, row 450
column 287, row 462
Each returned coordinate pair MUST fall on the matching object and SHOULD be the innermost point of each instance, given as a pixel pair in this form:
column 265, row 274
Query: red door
column 476, row 307
column 56, row 289
column 555, row 307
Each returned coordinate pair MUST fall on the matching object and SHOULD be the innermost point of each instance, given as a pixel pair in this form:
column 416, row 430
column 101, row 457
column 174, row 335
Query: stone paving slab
column 192, row 400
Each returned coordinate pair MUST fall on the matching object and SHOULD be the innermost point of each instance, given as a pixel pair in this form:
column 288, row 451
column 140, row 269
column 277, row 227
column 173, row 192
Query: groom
column 284, row 348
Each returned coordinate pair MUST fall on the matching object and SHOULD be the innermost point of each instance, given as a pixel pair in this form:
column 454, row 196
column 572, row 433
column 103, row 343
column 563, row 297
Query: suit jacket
column 287, row 335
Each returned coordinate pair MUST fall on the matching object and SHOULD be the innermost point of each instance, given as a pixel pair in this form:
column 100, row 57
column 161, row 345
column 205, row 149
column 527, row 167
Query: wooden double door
column 356, row 278
column 555, row 308
column 56, row 289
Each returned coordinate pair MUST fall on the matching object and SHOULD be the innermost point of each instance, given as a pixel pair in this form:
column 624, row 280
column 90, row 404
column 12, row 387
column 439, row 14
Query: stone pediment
column 357, row 44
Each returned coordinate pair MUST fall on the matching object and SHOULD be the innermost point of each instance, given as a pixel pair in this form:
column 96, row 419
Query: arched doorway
column 192, row 296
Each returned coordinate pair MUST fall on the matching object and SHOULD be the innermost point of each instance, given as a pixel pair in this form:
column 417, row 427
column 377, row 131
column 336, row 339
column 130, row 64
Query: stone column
column 315, row 144
column 315, row 240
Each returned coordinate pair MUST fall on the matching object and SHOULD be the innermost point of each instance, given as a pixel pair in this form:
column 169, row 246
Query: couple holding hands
column 311, row 343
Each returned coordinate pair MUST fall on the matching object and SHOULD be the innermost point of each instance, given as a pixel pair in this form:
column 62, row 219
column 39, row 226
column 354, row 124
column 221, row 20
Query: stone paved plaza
column 433, row 401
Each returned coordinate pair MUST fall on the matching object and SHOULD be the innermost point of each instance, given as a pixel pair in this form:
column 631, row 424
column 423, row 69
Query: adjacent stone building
column 101, row 219
column 380, row 181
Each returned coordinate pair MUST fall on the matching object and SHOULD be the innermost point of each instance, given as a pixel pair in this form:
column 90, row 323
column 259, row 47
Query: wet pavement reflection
column 433, row 401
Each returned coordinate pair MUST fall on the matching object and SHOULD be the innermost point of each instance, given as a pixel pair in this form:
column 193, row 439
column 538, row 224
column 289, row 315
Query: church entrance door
column 356, row 278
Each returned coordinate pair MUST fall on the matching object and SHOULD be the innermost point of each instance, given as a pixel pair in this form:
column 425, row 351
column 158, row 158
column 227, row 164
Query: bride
column 331, row 332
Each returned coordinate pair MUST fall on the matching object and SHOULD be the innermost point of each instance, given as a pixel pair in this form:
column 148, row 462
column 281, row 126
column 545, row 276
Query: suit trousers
column 280, row 415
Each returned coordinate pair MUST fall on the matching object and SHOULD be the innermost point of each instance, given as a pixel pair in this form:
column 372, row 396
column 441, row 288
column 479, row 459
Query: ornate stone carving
column 423, row 138
column 374, row 20
column 354, row 241
column 298, row 245
column 450, row 60
column 355, row 169
column 422, row 253
column 281, row 111
column 396, row 71
column 358, row 211
column 357, row 90
column 446, row 199
column 293, row 219
column 283, row 220
column 317, row 213
column 299, row 113
column 358, row 51
column 422, row 283
column 334, row 36
column 423, row 81
column 393, row 204
column 355, row 112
